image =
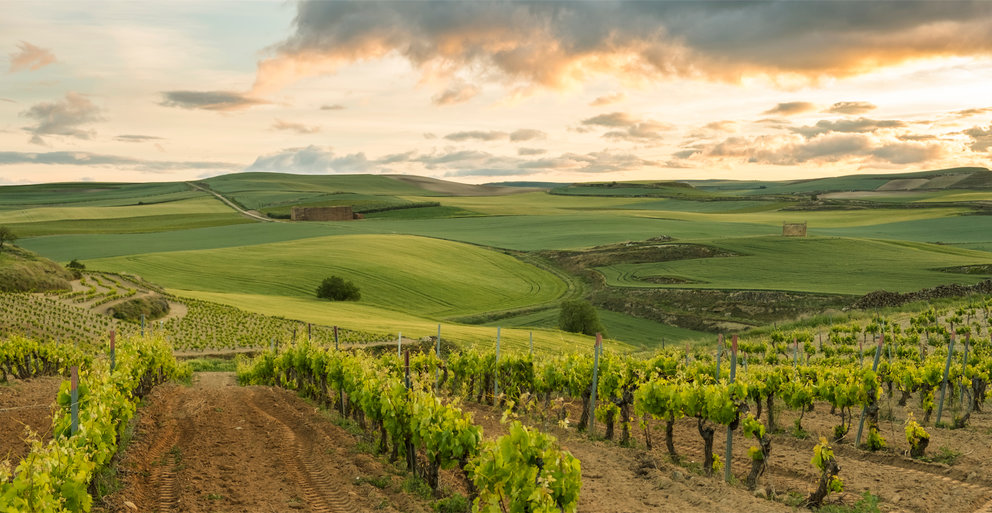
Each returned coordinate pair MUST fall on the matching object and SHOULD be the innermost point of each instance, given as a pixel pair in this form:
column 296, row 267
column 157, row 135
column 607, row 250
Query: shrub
column 337, row 288
column 153, row 307
column 76, row 268
column 6, row 235
column 579, row 316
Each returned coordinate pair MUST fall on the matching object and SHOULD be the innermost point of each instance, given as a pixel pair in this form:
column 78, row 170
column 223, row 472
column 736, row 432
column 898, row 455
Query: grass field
column 420, row 276
column 416, row 266
column 826, row 265
column 371, row 318
column 88, row 194
column 644, row 333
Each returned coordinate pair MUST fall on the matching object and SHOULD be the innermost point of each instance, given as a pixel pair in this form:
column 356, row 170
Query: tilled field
column 25, row 405
column 217, row 447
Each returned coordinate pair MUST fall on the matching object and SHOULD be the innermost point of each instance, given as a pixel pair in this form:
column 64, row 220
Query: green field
column 420, row 276
column 619, row 327
column 826, row 265
column 470, row 258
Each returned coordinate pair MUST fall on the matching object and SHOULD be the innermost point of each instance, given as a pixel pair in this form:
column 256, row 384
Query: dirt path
column 247, row 213
column 217, row 447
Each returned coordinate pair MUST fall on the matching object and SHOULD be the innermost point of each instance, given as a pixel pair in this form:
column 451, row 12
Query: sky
column 488, row 91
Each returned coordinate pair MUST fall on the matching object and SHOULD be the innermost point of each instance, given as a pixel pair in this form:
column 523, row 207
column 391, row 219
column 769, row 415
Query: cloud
column 457, row 93
column 722, row 126
column 790, row 150
column 299, row 128
column 79, row 158
column 531, row 151
column 7, row 100
column 860, row 125
column 312, row 160
column 981, row 138
column 561, row 44
column 630, row 128
column 30, row 58
column 209, row 100
column 790, row 109
column 336, row 106
column 967, row 113
column 850, row 108
column 608, row 99
column 527, row 134
column 64, row 118
column 484, row 164
column 136, row 138
column 477, row 135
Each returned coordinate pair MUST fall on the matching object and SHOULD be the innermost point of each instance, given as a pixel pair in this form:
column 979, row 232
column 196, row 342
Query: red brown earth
column 25, row 405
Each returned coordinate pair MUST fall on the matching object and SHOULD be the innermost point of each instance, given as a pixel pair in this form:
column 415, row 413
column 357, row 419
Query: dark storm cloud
column 555, row 44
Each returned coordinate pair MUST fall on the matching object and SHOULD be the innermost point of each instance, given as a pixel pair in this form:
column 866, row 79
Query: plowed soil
column 25, row 405
column 618, row 479
column 217, row 447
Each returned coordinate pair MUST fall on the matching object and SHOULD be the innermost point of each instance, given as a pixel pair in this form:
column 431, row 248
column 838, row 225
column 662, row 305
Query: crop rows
column 205, row 326
column 524, row 470
column 56, row 476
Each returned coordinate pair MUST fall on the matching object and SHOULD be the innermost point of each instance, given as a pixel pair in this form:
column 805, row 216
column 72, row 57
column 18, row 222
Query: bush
column 578, row 316
column 76, row 268
column 6, row 235
column 153, row 307
column 337, row 288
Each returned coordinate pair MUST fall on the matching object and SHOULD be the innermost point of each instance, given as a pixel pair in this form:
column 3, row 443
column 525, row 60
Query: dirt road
column 217, row 447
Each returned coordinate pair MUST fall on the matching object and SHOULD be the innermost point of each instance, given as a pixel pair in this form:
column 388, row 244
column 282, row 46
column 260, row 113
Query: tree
column 337, row 288
column 578, row 316
column 76, row 268
column 6, row 235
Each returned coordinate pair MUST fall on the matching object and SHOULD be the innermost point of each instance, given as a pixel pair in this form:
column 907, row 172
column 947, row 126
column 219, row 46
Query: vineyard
column 78, row 317
column 890, row 412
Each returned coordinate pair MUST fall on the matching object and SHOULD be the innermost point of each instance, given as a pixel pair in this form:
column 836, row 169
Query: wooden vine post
column 437, row 352
column 719, row 353
column 943, row 382
column 399, row 345
column 730, row 432
column 142, row 325
column 864, row 408
column 964, row 364
column 411, row 455
column 595, row 381
column 335, row 338
column 74, row 397
column 113, row 350
column 496, row 369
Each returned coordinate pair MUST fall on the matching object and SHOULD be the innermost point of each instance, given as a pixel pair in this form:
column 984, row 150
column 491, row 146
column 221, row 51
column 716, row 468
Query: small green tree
column 76, row 268
column 337, row 288
column 578, row 316
column 6, row 235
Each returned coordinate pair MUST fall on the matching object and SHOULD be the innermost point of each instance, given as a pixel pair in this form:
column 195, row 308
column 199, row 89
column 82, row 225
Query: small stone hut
column 793, row 229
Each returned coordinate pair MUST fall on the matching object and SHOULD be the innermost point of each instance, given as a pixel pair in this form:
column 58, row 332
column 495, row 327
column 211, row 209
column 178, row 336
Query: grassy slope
column 619, row 327
column 87, row 193
column 202, row 204
column 363, row 317
column 843, row 266
column 23, row 271
column 424, row 277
